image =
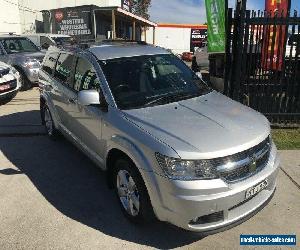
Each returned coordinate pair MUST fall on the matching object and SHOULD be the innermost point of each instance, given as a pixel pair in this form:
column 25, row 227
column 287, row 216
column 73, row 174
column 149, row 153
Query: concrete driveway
column 53, row 197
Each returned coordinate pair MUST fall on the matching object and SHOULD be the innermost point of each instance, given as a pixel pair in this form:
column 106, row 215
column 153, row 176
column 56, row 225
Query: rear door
column 63, row 94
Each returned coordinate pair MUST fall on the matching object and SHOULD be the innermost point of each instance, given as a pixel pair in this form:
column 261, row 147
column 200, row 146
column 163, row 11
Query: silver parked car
column 172, row 148
column 45, row 40
column 9, row 82
column 23, row 55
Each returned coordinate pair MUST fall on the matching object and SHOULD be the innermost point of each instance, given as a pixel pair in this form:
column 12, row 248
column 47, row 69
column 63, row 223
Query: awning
column 125, row 15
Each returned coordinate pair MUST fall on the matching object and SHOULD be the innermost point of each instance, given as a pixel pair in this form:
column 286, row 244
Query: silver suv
column 23, row 55
column 172, row 148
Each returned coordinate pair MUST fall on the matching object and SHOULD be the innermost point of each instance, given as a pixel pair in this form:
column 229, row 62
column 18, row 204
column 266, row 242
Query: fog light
column 210, row 218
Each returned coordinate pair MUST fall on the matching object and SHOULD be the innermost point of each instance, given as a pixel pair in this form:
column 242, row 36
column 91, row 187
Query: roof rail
column 124, row 41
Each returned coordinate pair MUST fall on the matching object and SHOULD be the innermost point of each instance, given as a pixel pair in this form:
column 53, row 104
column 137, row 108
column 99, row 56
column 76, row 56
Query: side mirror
column 199, row 75
column 88, row 97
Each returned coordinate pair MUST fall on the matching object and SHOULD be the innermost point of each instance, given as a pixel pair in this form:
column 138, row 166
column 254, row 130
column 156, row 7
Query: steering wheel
column 121, row 87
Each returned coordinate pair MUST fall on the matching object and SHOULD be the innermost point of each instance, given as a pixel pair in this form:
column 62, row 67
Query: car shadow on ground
column 77, row 188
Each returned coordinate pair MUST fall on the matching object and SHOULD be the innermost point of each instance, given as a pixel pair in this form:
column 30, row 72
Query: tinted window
column 49, row 63
column 1, row 51
column 85, row 76
column 142, row 81
column 64, row 67
column 19, row 45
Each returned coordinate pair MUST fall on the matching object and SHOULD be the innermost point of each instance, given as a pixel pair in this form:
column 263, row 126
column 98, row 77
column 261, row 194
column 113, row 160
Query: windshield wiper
column 170, row 97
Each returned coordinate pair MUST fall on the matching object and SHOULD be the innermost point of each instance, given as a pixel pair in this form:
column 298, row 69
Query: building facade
column 22, row 16
column 178, row 37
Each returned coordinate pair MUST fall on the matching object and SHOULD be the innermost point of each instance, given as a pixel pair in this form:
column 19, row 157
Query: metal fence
column 263, row 63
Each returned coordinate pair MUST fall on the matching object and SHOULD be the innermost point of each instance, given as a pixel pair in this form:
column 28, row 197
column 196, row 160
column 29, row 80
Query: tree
column 141, row 7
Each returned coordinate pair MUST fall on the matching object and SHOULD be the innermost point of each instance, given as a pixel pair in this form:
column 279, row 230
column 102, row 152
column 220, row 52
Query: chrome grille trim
column 240, row 166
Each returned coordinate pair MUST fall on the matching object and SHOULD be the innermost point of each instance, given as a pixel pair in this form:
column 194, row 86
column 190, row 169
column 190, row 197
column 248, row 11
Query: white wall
column 19, row 16
column 9, row 17
column 176, row 39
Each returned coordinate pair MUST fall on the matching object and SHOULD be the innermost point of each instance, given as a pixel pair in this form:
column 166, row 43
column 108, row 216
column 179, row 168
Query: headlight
column 178, row 169
column 13, row 70
column 32, row 64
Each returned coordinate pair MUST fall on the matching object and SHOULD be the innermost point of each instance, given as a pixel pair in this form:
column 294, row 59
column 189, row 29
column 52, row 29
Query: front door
column 85, row 121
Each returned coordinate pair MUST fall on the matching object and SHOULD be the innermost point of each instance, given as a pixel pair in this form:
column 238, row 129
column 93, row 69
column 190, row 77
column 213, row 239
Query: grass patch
column 286, row 139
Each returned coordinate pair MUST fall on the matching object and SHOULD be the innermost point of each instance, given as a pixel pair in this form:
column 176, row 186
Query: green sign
column 215, row 11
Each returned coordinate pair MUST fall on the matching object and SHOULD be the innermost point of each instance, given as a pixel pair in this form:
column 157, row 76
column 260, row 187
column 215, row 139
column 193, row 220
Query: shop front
column 90, row 22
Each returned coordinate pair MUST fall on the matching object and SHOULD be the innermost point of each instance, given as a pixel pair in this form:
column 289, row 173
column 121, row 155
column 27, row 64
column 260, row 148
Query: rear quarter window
column 49, row 63
column 63, row 68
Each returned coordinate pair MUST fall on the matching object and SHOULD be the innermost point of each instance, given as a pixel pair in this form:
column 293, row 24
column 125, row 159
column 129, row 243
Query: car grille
column 242, row 165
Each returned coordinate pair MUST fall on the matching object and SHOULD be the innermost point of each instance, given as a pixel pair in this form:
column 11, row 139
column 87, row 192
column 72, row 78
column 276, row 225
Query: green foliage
column 141, row 7
column 286, row 138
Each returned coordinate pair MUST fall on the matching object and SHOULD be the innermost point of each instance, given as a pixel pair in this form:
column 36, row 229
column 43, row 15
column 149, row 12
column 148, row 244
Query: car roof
column 112, row 51
column 46, row 34
column 11, row 36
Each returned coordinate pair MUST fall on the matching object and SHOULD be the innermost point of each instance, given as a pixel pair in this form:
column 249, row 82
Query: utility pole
column 241, row 4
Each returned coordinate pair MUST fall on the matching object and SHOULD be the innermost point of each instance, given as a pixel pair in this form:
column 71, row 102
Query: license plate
column 4, row 87
column 256, row 189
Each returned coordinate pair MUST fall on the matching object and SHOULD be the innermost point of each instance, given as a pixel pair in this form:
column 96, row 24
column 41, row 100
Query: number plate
column 256, row 189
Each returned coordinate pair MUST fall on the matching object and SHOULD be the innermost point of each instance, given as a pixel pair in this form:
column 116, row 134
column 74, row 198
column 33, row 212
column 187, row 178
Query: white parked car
column 45, row 40
column 9, row 82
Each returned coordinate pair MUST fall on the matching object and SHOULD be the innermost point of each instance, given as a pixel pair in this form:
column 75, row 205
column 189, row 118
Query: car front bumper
column 207, row 205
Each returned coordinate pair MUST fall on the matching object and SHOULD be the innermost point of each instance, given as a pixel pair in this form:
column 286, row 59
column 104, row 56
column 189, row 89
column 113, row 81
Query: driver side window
column 85, row 76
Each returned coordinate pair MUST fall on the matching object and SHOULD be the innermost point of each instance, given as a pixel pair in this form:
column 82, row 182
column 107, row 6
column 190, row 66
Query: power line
column 21, row 7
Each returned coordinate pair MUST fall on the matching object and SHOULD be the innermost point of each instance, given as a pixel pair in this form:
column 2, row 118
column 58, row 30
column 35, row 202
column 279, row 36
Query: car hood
column 204, row 127
column 23, row 56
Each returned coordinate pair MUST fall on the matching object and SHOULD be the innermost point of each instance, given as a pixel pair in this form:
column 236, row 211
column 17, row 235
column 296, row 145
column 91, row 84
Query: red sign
column 59, row 16
column 273, row 50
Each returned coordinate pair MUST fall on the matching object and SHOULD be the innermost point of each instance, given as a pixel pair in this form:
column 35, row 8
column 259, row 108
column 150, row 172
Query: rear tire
column 131, row 192
column 47, row 120
column 25, row 83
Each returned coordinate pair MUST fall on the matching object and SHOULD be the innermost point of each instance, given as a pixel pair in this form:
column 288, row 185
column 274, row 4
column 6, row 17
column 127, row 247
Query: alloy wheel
column 128, row 193
column 48, row 122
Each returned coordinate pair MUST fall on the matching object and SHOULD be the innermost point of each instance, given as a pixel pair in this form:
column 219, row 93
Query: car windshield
column 18, row 45
column 144, row 81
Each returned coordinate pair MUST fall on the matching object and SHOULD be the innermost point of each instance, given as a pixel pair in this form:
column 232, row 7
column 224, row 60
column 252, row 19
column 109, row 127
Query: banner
column 273, row 50
column 198, row 36
column 74, row 21
column 215, row 11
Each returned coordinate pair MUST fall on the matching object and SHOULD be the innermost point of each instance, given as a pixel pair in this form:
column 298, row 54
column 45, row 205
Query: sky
column 193, row 11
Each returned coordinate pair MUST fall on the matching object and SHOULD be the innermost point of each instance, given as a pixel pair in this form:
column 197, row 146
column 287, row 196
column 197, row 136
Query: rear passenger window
column 85, row 76
column 45, row 40
column 64, row 67
column 49, row 63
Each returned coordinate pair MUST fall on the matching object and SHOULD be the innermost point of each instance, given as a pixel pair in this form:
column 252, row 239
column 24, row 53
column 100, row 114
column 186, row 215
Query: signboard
column 126, row 5
column 198, row 36
column 215, row 11
column 273, row 50
column 73, row 22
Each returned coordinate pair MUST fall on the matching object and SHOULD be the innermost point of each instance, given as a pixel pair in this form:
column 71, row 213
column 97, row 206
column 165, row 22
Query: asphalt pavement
column 53, row 197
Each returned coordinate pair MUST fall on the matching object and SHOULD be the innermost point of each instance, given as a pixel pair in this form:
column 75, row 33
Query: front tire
column 131, row 192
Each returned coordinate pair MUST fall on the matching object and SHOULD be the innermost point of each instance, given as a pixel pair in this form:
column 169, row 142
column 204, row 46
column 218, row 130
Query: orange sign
column 273, row 50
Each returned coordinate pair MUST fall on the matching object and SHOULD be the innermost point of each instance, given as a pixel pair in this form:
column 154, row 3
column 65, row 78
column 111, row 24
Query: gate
column 262, row 67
